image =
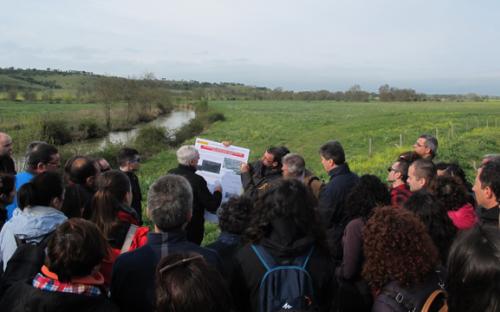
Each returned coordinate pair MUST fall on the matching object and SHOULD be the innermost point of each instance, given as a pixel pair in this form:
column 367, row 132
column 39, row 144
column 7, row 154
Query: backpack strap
column 430, row 300
column 400, row 298
column 268, row 261
column 22, row 239
column 129, row 238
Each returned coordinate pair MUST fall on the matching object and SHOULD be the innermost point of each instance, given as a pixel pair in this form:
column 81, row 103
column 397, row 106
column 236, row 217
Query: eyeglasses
column 180, row 262
column 391, row 169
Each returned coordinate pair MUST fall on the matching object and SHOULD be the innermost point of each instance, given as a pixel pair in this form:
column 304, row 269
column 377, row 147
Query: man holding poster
column 188, row 157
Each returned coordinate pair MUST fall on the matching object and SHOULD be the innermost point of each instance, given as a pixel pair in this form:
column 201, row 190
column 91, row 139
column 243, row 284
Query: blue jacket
column 133, row 279
column 32, row 223
column 21, row 179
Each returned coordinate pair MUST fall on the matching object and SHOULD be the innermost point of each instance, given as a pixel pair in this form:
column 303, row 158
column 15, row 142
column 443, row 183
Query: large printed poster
column 221, row 164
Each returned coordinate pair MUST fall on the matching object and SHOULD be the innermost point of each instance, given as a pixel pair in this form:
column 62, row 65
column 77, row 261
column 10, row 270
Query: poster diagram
column 221, row 164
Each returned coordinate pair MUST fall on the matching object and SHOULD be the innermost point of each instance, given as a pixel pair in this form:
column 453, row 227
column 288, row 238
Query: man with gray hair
column 169, row 207
column 294, row 167
column 426, row 146
column 188, row 157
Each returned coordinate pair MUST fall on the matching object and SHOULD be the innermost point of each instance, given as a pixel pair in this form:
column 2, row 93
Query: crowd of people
column 74, row 238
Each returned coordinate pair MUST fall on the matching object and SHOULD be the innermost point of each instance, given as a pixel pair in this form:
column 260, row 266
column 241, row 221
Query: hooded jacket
column 464, row 217
column 283, row 243
column 30, row 224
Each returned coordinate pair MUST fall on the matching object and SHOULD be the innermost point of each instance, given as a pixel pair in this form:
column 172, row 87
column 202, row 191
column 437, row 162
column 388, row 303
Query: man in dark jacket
column 170, row 201
column 333, row 195
column 129, row 161
column 257, row 177
column 6, row 162
column 487, row 190
column 188, row 158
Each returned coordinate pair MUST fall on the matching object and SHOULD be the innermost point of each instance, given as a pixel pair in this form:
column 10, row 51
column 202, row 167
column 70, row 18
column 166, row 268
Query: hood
column 285, row 240
column 36, row 221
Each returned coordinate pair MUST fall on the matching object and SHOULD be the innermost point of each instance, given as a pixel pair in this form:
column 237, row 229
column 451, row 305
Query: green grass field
column 466, row 132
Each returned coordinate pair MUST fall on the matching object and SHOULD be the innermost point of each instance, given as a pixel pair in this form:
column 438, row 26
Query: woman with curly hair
column 400, row 260
column 452, row 194
column 284, row 231
column 368, row 193
column 434, row 217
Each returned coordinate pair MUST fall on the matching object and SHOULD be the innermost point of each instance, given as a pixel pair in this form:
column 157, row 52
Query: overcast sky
column 438, row 46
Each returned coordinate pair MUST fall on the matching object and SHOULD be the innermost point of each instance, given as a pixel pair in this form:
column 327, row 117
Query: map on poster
column 221, row 164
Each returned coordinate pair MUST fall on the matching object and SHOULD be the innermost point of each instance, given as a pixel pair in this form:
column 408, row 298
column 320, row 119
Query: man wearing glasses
column 41, row 157
column 397, row 175
column 426, row 146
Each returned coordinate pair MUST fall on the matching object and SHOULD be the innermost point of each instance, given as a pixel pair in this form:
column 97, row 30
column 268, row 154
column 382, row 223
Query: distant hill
column 82, row 86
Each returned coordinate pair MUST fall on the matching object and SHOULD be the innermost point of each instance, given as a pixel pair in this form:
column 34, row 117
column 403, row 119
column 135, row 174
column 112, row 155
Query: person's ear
column 488, row 193
column 56, row 202
column 398, row 175
column 90, row 181
column 41, row 167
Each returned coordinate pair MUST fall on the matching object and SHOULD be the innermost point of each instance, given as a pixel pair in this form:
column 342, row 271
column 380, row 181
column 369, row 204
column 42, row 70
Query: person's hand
column 217, row 187
column 226, row 143
column 244, row 168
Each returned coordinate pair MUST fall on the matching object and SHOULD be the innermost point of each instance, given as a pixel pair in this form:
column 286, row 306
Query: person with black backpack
column 286, row 264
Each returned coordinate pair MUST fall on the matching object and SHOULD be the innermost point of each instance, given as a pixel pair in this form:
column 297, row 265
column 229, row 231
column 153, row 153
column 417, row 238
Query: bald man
column 6, row 161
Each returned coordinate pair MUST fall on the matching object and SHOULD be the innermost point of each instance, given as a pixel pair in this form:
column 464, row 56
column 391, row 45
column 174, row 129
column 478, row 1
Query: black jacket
column 133, row 278
column 332, row 205
column 202, row 200
column 490, row 216
column 283, row 244
column 24, row 297
column 136, row 194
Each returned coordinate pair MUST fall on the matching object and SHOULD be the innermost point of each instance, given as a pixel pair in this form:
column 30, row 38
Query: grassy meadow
column 466, row 131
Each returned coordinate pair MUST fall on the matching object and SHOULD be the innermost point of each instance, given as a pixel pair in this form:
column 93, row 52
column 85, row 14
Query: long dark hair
column 474, row 271
column 112, row 186
column 434, row 216
column 287, row 200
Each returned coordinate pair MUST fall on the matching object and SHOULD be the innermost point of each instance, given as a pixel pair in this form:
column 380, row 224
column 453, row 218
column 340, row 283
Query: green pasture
column 465, row 130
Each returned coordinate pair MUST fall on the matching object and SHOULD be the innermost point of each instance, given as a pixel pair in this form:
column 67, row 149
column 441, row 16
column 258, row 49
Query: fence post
column 370, row 147
column 452, row 131
column 400, row 140
column 487, row 123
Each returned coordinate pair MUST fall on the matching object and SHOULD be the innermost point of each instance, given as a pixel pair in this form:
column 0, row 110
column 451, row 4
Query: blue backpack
column 285, row 287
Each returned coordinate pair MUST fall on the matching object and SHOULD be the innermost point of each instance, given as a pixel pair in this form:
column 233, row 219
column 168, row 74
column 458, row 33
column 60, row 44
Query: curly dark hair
column 367, row 194
column 234, row 214
column 432, row 214
column 397, row 248
column 449, row 191
column 288, row 199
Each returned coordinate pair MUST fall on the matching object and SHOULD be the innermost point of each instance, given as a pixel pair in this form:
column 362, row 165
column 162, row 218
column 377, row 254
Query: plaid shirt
column 399, row 195
column 48, row 284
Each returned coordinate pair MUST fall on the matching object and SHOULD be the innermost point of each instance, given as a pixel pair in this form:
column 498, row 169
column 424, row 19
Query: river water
column 171, row 122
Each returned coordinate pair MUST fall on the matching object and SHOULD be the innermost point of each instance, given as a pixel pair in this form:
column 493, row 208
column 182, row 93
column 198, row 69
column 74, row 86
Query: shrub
column 213, row 117
column 56, row 131
column 91, row 129
column 193, row 128
column 151, row 140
